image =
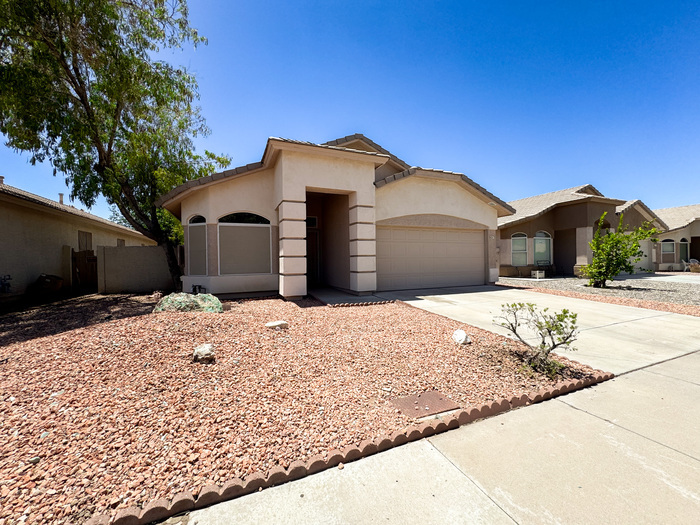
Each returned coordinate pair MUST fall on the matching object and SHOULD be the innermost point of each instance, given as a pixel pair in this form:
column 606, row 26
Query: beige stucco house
column 40, row 236
column 682, row 240
column 346, row 214
column 553, row 230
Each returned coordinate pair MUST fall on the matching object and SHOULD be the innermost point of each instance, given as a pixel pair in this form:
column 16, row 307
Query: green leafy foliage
column 79, row 87
column 554, row 330
column 615, row 251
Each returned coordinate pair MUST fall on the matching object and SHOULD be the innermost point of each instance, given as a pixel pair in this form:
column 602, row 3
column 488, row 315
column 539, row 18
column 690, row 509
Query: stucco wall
column 132, row 269
column 33, row 237
column 249, row 193
column 425, row 195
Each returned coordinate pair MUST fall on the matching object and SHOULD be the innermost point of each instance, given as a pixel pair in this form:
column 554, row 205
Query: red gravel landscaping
column 114, row 414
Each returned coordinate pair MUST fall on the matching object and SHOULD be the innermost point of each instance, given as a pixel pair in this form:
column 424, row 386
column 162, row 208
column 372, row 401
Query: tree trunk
column 173, row 264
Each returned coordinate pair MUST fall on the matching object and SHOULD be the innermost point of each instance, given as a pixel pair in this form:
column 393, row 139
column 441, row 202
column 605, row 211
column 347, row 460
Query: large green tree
column 81, row 87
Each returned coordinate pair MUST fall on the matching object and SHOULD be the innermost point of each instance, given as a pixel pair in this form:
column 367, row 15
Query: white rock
column 277, row 324
column 461, row 338
column 204, row 354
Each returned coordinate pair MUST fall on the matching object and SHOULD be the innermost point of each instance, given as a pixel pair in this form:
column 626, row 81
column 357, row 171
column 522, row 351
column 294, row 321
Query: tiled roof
column 251, row 167
column 531, row 207
column 680, row 216
column 624, row 208
column 359, row 136
column 42, row 201
column 416, row 169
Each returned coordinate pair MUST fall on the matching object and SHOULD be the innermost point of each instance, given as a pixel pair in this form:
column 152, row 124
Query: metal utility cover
column 425, row 404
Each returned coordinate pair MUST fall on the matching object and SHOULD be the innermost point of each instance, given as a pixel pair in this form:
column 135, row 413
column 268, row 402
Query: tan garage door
column 424, row 258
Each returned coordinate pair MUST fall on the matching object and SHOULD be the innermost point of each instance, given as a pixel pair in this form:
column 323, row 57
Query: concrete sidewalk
column 624, row 451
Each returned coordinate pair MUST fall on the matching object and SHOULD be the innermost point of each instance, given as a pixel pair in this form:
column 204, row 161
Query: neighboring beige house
column 553, row 230
column 40, row 236
column 346, row 214
column 682, row 240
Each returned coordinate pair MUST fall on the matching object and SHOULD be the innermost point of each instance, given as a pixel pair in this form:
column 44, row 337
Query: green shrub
column 615, row 252
column 553, row 329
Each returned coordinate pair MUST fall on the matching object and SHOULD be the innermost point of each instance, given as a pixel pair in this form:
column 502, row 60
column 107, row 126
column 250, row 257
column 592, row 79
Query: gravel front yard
column 101, row 406
column 663, row 295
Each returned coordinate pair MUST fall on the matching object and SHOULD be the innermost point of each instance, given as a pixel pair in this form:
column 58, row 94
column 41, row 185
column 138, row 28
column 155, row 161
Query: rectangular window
column 519, row 251
column 197, row 249
column 121, row 242
column 683, row 250
column 244, row 249
column 84, row 241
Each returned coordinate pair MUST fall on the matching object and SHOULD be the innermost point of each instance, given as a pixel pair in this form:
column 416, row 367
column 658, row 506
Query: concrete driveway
column 624, row 451
column 612, row 338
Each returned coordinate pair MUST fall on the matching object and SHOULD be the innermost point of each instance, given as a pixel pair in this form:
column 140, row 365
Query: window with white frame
column 668, row 251
column 518, row 248
column 197, row 245
column 683, row 250
column 543, row 248
column 244, row 244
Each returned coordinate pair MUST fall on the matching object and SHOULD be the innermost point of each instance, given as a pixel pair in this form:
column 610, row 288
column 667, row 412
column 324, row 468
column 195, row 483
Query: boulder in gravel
column 461, row 338
column 277, row 325
column 204, row 354
column 186, row 302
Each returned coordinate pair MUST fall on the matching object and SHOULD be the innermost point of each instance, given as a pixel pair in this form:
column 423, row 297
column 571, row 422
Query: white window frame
column 518, row 235
column 547, row 236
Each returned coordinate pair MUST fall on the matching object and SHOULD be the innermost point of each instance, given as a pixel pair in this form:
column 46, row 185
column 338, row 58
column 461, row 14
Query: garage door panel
column 423, row 258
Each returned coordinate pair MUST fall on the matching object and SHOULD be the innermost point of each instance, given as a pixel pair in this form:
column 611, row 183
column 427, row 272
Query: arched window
column 244, row 218
column 543, row 248
column 244, row 244
column 197, row 245
column 518, row 247
column 683, row 250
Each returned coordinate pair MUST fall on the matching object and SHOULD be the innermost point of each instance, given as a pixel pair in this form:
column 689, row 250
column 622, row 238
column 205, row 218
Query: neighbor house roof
column 532, row 207
column 680, row 216
column 5, row 189
column 644, row 210
column 536, row 206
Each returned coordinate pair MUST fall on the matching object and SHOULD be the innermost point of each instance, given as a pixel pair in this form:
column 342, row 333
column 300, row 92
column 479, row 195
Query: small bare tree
column 553, row 329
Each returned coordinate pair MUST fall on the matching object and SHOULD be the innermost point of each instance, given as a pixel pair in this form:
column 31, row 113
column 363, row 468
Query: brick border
column 161, row 509
column 366, row 303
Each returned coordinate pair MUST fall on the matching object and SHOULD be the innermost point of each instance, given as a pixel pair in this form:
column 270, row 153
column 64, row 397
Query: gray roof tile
column 680, row 216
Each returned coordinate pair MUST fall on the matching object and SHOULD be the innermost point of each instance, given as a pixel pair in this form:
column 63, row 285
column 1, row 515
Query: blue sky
column 523, row 97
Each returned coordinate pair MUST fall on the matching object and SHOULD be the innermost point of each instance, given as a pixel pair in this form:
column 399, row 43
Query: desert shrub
column 615, row 251
column 554, row 330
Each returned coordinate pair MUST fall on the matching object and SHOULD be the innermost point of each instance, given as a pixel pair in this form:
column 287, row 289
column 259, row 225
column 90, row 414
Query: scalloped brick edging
column 366, row 303
column 161, row 509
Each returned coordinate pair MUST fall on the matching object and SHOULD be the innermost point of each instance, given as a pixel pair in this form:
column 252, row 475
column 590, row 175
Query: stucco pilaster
column 212, row 249
column 491, row 243
column 584, row 255
column 363, row 246
column 292, row 248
